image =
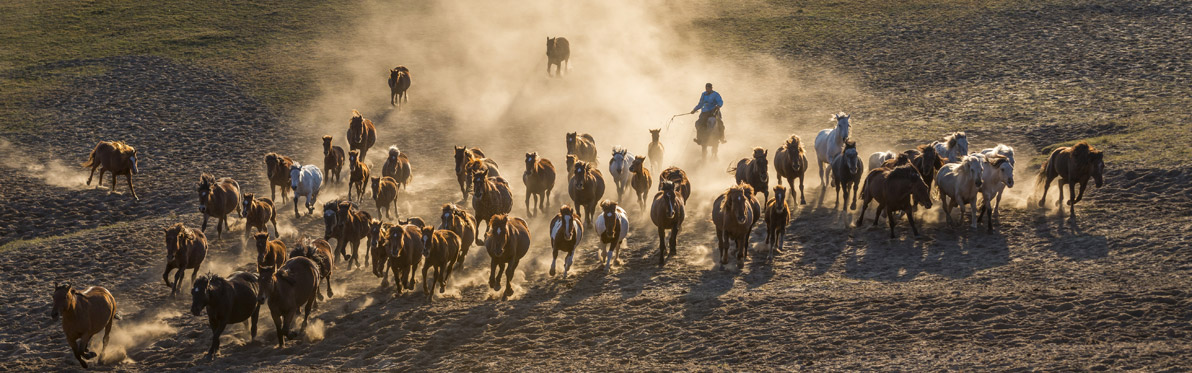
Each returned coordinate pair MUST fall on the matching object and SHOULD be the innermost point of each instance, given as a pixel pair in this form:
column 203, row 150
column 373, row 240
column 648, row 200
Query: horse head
column 246, row 202
column 262, row 243
column 571, row 142
column 198, row 294
column 479, row 178
column 654, row 134
column 760, row 164
column 842, row 124
column 608, row 210
column 330, row 219
column 568, row 218
column 357, row 124
column 353, row 158
column 780, row 194
column 326, row 144
column 531, row 159
column 376, row 186
column 1003, row 165
column 295, row 177
column 638, row 162
column 850, row 157
column 498, row 234
column 428, row 233
column 668, row 195
column 133, row 162
column 1098, row 160
column 735, row 203
column 63, row 300
column 580, row 175
column 972, row 165
column 205, row 187
column 265, row 281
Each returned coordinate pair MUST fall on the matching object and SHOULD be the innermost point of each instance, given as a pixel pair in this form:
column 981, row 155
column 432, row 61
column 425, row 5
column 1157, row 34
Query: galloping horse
column 829, row 143
column 954, row 147
column 558, row 53
column 754, row 172
column 790, row 162
column 1074, row 165
column 399, row 83
column 115, row 157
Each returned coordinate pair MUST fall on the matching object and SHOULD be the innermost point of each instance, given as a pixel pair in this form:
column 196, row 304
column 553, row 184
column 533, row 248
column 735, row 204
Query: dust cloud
column 134, row 335
column 49, row 170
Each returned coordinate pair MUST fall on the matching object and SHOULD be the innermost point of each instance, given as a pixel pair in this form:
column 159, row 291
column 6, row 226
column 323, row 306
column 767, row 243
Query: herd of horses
column 289, row 281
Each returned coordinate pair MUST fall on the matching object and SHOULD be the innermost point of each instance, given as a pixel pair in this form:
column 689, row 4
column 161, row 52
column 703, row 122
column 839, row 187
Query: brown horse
column 358, row 176
column 507, row 244
column 565, row 234
column 754, row 171
column 333, row 159
column 558, row 52
column 612, row 225
column 347, row 224
column 185, row 249
column 404, row 250
column 927, row 161
column 231, row 300
column 84, row 314
column 1073, row 165
column 667, row 212
column 539, row 178
column 734, row 216
column 399, row 83
column 319, row 251
column 778, row 215
column 378, row 242
column 270, row 253
column 640, row 180
column 571, row 159
column 458, row 220
column 217, row 199
column 440, row 249
column 115, row 157
column 397, row 166
column 464, row 156
column 790, row 162
column 656, row 150
column 893, row 189
column 361, row 134
column 384, row 194
column 846, row 173
column 277, row 170
column 586, row 188
column 678, row 177
column 293, row 286
column 583, row 146
column 257, row 212
column 491, row 197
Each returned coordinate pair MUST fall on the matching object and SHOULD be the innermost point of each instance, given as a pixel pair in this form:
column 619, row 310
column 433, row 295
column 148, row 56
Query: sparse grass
column 264, row 44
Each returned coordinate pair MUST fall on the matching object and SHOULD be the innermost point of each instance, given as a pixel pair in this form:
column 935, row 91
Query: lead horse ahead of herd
column 288, row 281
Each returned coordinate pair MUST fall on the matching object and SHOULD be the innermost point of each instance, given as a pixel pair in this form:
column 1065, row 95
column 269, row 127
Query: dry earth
column 1108, row 290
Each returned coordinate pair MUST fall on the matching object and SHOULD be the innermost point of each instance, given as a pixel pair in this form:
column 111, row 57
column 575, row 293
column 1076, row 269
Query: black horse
column 230, row 300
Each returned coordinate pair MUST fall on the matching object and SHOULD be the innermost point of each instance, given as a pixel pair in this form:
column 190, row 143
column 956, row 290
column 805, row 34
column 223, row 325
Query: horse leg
column 426, row 284
column 890, row 221
column 1072, row 189
column 113, row 189
column 492, row 274
column 855, row 187
column 165, row 276
column 528, row 210
column 100, row 182
column 554, row 257
column 217, row 330
column 973, row 212
column 910, row 216
column 355, row 262
column 273, row 218
column 330, row 293
column 130, row 187
column 178, row 277
column 860, row 217
column 509, row 277
column 93, row 175
column 74, row 348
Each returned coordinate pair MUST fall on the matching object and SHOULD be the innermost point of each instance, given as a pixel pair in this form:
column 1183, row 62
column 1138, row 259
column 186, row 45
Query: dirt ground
column 1108, row 290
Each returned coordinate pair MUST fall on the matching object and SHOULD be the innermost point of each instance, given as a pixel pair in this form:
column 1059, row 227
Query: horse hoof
column 552, row 271
column 89, row 355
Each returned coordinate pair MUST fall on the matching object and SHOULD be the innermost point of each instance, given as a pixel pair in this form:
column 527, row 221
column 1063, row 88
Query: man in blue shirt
column 708, row 106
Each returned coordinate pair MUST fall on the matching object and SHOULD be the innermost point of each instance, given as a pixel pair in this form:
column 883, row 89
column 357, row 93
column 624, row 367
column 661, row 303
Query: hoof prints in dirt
column 182, row 120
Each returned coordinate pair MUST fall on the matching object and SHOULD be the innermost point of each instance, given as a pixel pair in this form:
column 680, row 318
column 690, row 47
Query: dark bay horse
column 458, row 220
column 558, row 52
column 228, row 301
column 399, row 83
column 257, row 212
column 667, row 213
column 778, row 216
column 217, row 199
column 790, row 162
column 895, row 189
column 277, row 170
column 583, row 146
column 846, row 171
column 586, row 188
column 384, row 194
column 539, row 178
column 641, row 179
column 440, row 249
column 333, row 159
column 289, row 289
column 319, row 251
column 358, row 175
column 734, row 216
column 115, row 157
column 491, row 197
column 397, row 166
column 1073, row 165
column 404, row 249
column 185, row 249
column 507, row 244
column 754, row 171
column 362, row 134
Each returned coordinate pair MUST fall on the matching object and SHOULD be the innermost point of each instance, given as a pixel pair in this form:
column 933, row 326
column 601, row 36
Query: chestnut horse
column 319, row 251
column 790, row 162
column 277, row 170
column 185, row 249
column 586, row 188
column 896, row 188
column 679, row 178
column 506, row 243
column 361, row 134
column 656, row 150
column 754, row 171
column 399, row 83
column 257, row 212
column 384, row 194
column 270, row 253
column 558, row 52
column 231, row 300
column 378, row 242
column 778, row 215
column 734, row 216
column 667, row 212
column 491, row 197
column 539, row 178
column 84, row 314
column 565, row 234
column 358, row 175
column 287, row 289
column 397, row 166
column 115, row 157
column 640, row 180
column 466, row 162
column 405, row 252
column 333, row 159
column 458, row 220
column 582, row 145
column 612, row 226
column 440, row 249
column 217, row 199
column 1073, row 165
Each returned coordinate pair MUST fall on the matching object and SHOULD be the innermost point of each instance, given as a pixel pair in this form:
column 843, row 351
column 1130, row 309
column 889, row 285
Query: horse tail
column 1041, row 176
column 91, row 161
column 731, row 169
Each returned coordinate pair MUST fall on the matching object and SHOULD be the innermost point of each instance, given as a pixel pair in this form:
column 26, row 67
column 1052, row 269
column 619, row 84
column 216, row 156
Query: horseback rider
column 708, row 106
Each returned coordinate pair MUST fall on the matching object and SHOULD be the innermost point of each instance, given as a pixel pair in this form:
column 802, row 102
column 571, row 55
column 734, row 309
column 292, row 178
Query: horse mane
column 794, row 143
column 904, row 171
column 951, row 139
column 759, row 152
column 327, row 138
column 121, row 147
column 850, row 143
column 357, row 119
column 206, row 179
column 566, row 210
column 394, row 151
column 1081, row 151
column 996, row 160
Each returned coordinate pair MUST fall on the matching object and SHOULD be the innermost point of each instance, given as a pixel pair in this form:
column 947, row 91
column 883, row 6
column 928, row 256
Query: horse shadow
column 1069, row 238
column 953, row 252
column 703, row 297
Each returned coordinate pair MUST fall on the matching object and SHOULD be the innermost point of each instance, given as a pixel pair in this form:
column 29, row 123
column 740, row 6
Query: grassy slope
column 263, row 44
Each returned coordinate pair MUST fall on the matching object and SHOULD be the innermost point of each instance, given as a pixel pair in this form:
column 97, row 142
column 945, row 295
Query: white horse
column 601, row 227
column 1002, row 150
column 829, row 143
column 954, row 147
column 618, row 168
column 997, row 175
column 876, row 159
column 305, row 181
column 960, row 182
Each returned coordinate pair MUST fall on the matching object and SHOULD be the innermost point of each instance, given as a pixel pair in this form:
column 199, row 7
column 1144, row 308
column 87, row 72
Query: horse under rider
column 708, row 106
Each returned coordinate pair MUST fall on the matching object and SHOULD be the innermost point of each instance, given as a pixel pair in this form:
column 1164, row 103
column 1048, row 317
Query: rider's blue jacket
column 708, row 101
